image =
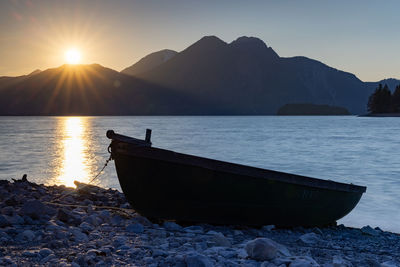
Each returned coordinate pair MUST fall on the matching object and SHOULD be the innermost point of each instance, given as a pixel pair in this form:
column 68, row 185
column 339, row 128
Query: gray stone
column 218, row 239
column 44, row 252
column 47, row 258
column 197, row 229
column 197, row 260
column 94, row 235
column 15, row 219
column 285, row 261
column 135, row 228
column 86, row 227
column 390, row 264
column 93, row 220
column 368, row 230
column 9, row 211
column 268, row 228
column 30, row 254
column 54, row 227
column 262, row 249
column 159, row 252
column 117, row 220
column 105, row 215
column 36, row 209
column 338, row 261
column 303, row 261
column 370, row 263
column 7, row 260
column 27, row 235
column 228, row 254
column 4, row 221
column 79, row 236
column 242, row 254
column 268, row 264
column 317, row 231
column 119, row 241
column 309, row 238
column 171, row 226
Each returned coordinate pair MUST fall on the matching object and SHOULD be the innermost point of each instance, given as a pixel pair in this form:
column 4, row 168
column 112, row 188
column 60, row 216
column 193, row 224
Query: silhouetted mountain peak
column 34, row 72
column 211, row 39
column 207, row 43
column 150, row 61
column 252, row 45
column 245, row 41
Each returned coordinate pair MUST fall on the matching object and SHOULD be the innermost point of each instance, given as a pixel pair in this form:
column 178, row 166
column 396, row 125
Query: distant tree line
column 383, row 101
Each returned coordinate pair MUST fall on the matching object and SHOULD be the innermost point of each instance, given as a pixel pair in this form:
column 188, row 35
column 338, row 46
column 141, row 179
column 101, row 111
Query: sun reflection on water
column 74, row 146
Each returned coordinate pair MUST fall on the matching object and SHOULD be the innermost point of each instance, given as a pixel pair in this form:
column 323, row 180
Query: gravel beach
column 91, row 226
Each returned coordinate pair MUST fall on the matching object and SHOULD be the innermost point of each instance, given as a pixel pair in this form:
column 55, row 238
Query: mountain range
column 210, row 77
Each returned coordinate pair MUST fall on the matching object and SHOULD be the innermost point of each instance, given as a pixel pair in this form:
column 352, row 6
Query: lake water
column 365, row 151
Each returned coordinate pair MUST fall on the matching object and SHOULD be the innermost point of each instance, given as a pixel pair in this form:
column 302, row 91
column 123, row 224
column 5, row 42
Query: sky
column 361, row 37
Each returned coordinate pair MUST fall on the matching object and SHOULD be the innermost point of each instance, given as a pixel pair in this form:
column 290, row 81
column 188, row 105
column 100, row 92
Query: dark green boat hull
column 162, row 184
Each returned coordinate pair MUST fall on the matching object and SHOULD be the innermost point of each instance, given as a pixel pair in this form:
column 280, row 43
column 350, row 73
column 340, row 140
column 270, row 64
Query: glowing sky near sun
column 361, row 37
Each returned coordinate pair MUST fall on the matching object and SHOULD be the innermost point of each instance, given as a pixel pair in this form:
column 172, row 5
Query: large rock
column 36, row 209
column 262, row 249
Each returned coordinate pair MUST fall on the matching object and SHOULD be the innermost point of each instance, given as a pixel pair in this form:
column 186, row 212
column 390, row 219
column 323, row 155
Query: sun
column 73, row 56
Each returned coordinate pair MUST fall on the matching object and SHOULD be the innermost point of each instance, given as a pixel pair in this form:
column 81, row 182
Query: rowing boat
column 163, row 184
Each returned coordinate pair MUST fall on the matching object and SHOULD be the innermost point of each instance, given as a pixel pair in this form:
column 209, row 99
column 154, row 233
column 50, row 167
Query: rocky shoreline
column 91, row 226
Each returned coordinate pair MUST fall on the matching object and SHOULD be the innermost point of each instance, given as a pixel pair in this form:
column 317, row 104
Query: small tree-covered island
column 307, row 109
column 382, row 103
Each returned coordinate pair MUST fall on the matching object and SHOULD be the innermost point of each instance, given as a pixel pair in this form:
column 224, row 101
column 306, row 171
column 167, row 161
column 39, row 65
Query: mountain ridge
column 209, row 77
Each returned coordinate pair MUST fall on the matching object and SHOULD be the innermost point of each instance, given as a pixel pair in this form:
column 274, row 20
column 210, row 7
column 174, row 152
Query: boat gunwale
column 223, row 166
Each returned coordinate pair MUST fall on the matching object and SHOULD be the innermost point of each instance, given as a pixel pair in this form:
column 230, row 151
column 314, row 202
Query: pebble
column 88, row 236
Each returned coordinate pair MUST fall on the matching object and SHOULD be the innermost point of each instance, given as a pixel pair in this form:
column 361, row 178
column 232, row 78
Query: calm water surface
column 366, row 151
